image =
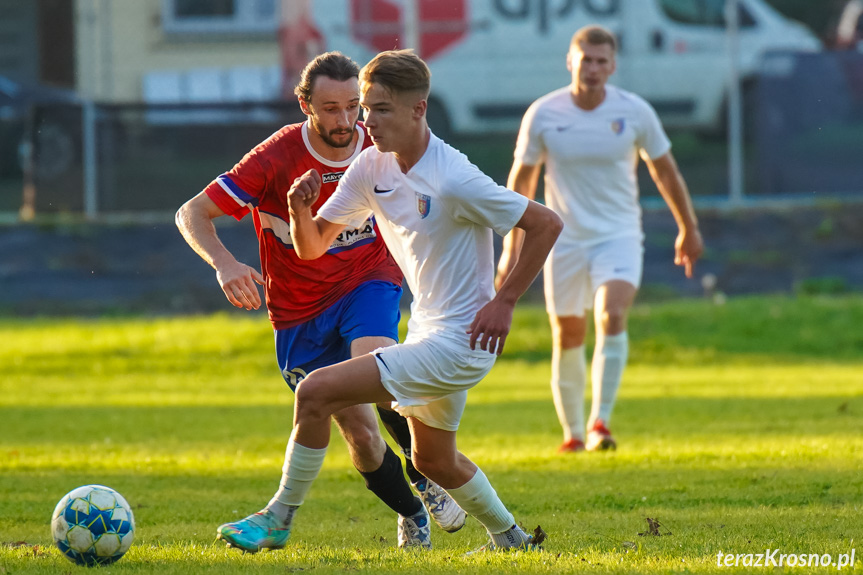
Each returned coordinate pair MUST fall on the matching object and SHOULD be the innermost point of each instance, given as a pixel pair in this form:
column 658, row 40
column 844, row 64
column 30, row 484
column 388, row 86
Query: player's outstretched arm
column 522, row 179
column 195, row 221
column 491, row 325
column 311, row 236
column 688, row 246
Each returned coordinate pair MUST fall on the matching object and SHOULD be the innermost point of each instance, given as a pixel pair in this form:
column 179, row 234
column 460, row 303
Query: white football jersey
column 437, row 221
column 590, row 160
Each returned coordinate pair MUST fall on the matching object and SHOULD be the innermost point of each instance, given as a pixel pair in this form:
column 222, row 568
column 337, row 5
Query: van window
column 196, row 8
column 220, row 16
column 704, row 13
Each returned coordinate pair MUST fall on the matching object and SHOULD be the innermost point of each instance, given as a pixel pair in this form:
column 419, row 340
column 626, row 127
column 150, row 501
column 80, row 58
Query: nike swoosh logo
column 377, row 191
column 562, row 128
column 380, row 357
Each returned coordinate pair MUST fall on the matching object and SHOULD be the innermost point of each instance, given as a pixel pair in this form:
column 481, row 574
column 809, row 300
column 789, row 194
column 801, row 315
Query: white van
column 491, row 58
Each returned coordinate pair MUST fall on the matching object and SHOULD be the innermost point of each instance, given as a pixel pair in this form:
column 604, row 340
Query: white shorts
column 429, row 376
column 573, row 272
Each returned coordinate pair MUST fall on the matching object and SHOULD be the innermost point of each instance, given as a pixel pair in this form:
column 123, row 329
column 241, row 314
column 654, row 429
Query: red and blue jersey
column 299, row 290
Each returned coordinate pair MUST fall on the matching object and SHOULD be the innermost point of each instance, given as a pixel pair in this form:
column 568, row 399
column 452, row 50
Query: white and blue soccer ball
column 93, row 525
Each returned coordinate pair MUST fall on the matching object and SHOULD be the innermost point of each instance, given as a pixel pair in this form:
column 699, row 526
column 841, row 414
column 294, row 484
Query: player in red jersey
column 341, row 305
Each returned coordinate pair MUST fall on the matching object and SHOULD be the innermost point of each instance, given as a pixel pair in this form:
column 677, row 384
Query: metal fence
column 109, row 159
column 809, row 128
column 805, row 137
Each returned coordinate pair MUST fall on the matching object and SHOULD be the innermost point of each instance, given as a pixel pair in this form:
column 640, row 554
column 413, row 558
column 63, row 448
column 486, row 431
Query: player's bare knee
column 569, row 340
column 613, row 320
column 311, row 403
column 568, row 332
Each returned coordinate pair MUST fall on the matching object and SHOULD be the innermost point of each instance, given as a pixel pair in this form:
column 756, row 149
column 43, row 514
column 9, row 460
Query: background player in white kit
column 436, row 212
column 589, row 135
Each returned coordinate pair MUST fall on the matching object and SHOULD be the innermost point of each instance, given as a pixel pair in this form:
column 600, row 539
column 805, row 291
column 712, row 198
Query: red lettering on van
column 379, row 24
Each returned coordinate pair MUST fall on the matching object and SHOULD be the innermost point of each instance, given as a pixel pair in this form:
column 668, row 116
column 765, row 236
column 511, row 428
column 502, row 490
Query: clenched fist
column 305, row 191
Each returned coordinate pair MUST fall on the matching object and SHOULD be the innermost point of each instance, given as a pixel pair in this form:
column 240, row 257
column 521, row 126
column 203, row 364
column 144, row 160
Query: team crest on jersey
column 332, row 177
column 423, row 204
column 618, row 126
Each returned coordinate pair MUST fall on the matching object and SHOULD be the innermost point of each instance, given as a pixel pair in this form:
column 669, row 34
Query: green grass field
column 740, row 429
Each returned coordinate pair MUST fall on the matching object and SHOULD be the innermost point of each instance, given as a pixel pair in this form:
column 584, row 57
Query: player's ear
column 304, row 106
column 420, row 108
column 569, row 60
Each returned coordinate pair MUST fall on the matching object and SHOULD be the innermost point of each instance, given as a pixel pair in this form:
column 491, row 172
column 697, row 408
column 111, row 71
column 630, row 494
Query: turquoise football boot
column 263, row 530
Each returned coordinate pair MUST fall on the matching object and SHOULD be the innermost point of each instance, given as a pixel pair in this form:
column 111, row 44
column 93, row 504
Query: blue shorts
column 372, row 309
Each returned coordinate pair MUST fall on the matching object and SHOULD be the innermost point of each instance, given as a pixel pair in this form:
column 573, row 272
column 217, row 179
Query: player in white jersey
column 436, row 213
column 589, row 135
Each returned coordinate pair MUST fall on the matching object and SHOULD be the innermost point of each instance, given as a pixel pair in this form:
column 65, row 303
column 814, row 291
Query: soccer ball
column 93, row 525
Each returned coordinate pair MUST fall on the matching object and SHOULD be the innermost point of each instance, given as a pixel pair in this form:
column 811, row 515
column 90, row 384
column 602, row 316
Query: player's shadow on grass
column 647, row 418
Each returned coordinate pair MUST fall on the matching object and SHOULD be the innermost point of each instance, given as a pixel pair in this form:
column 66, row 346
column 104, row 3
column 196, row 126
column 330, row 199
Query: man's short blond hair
column 594, row 35
column 399, row 71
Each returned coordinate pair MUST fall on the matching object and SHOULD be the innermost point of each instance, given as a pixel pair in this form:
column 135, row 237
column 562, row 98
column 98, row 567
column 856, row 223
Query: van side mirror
column 657, row 40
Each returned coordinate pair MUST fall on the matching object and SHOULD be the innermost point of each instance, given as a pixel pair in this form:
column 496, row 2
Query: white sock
column 609, row 360
column 512, row 537
column 302, row 465
column 478, row 498
column 568, row 377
